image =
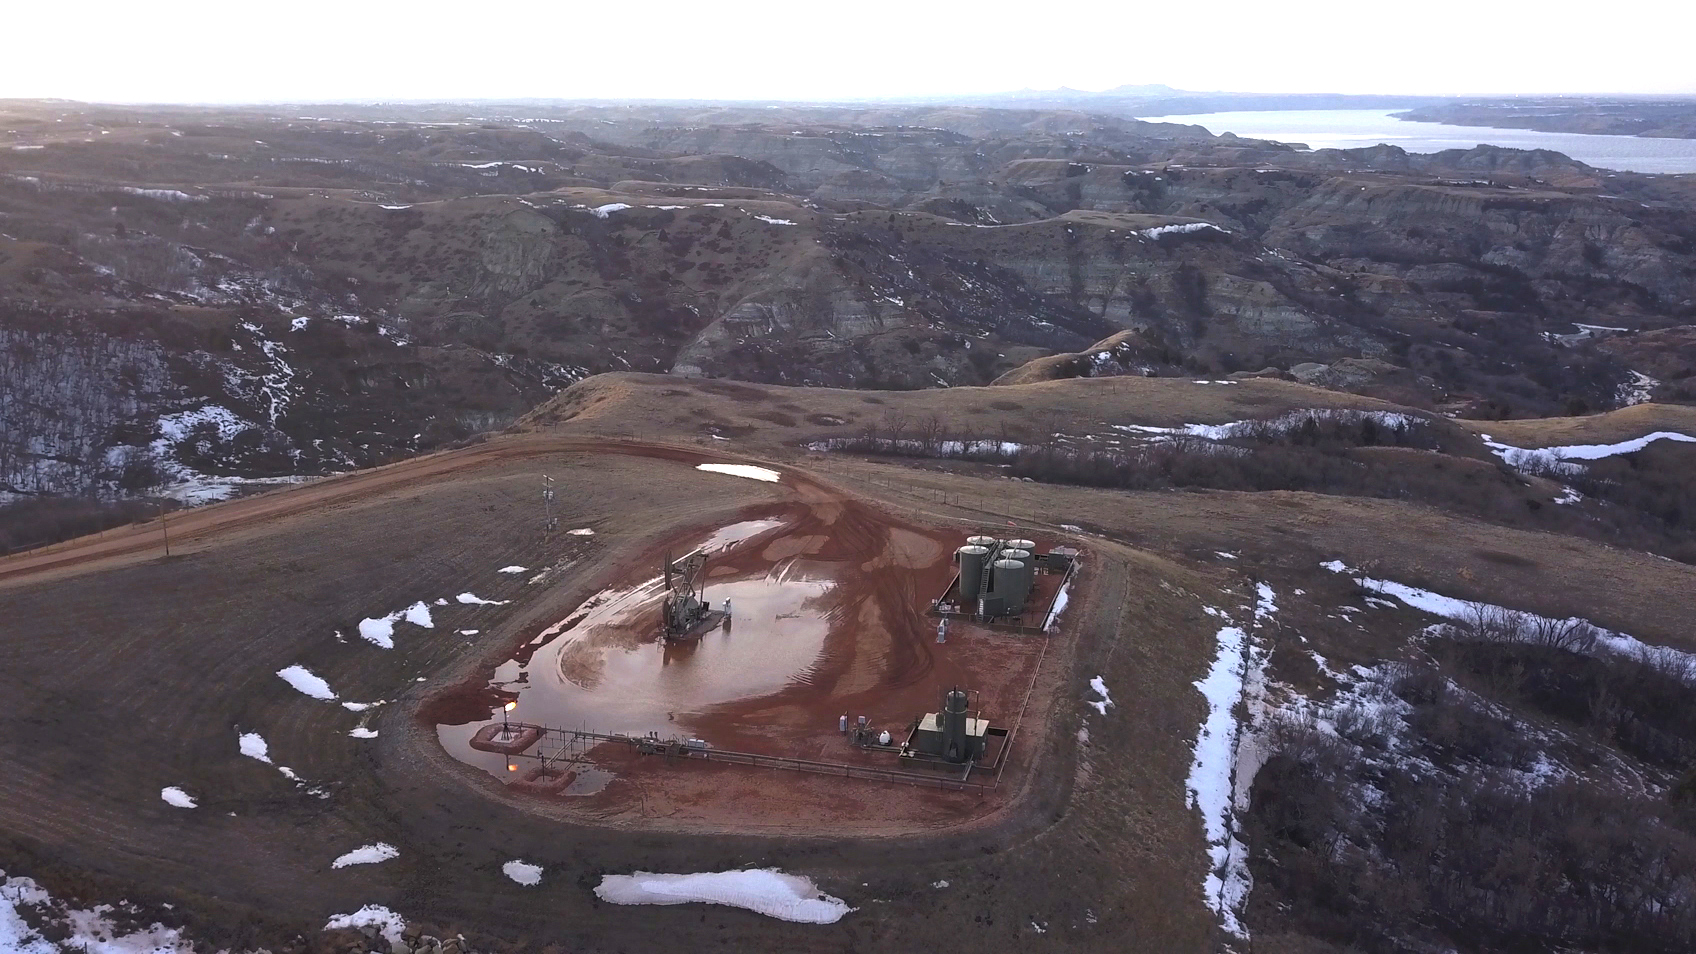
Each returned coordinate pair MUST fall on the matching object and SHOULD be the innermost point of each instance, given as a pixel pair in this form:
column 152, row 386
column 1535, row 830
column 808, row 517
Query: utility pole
column 165, row 528
column 550, row 521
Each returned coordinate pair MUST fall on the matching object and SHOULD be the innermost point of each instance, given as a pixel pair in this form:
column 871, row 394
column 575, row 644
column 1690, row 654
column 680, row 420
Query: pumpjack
column 686, row 614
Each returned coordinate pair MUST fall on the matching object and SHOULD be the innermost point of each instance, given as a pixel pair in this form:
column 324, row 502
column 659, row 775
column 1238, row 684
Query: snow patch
column 763, row 890
column 176, row 798
column 1185, row 228
column 602, row 211
column 472, row 599
column 523, row 872
column 380, row 631
column 1100, row 689
column 167, row 195
column 253, row 746
column 387, row 923
column 1214, row 772
column 362, row 733
column 742, row 470
column 305, row 681
column 580, row 532
column 1060, row 600
column 1639, row 390
column 516, row 568
column 367, row 855
column 90, row 931
column 1282, row 424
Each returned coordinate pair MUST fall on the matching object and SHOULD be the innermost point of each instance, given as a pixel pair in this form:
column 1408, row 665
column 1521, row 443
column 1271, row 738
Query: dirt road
column 205, row 526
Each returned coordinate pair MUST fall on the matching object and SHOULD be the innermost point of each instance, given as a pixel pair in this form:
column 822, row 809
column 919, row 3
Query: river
column 1353, row 128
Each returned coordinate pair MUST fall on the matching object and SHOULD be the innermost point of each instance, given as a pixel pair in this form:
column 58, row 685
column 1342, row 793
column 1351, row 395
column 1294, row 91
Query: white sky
column 303, row 50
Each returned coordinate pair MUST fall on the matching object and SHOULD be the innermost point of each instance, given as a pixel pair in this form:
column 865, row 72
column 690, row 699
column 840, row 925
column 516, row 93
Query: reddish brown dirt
column 879, row 659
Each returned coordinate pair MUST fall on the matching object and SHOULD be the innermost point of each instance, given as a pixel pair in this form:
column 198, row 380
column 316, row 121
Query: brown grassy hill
column 1610, row 427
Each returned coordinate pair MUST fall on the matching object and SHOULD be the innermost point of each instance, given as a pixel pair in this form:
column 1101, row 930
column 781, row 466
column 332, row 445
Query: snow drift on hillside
column 91, row 930
column 1447, row 607
column 1560, row 459
column 1282, row 424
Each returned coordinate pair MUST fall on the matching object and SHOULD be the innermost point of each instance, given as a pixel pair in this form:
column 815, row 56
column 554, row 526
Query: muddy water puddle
column 605, row 668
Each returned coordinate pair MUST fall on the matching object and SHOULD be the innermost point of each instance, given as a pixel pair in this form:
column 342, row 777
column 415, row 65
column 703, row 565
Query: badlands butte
column 1376, row 468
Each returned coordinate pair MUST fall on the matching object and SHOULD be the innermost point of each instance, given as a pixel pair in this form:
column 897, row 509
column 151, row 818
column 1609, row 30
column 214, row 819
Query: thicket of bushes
column 1339, row 454
column 1462, row 846
column 44, row 520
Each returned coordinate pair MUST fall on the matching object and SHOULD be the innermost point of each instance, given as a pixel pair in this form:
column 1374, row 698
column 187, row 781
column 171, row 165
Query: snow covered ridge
column 763, row 890
column 90, row 930
column 1559, row 460
column 1574, row 633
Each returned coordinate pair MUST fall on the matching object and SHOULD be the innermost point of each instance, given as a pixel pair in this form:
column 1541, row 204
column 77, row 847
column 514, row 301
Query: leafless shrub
column 1672, row 664
column 1487, row 623
column 1571, row 635
column 1362, row 725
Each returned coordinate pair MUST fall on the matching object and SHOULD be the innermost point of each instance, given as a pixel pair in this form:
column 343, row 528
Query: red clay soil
column 878, row 657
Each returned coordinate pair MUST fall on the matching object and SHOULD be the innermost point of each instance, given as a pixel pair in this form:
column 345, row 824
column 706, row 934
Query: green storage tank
column 971, row 559
column 1011, row 581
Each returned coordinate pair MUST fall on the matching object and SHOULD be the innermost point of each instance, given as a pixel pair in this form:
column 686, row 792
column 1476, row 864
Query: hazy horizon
column 316, row 51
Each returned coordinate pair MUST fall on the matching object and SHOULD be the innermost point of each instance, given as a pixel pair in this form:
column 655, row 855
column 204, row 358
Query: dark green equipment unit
column 952, row 734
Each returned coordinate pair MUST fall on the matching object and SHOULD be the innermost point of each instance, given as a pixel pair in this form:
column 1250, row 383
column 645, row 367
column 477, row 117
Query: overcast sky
column 301, row 50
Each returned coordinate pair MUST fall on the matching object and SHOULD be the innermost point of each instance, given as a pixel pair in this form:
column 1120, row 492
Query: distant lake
column 1354, row 128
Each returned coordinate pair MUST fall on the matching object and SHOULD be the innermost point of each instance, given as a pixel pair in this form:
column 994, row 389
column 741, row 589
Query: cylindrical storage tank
column 971, row 559
column 1024, row 555
column 954, row 725
column 981, row 541
column 1022, row 544
column 1011, row 581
